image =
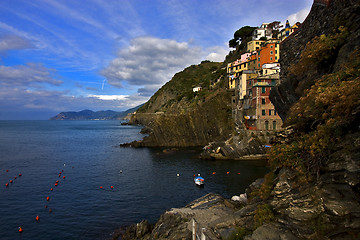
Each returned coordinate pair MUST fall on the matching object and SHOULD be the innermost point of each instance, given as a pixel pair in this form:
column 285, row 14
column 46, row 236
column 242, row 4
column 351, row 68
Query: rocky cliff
column 175, row 116
column 313, row 189
column 326, row 16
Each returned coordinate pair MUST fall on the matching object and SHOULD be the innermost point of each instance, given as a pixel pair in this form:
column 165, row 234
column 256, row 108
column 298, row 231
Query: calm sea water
column 87, row 153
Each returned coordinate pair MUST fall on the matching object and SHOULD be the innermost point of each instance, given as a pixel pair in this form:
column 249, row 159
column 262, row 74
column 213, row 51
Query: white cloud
column 30, row 74
column 297, row 17
column 109, row 97
column 150, row 61
column 13, row 42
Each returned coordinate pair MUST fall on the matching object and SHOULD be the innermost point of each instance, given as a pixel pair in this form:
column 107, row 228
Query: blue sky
column 70, row 55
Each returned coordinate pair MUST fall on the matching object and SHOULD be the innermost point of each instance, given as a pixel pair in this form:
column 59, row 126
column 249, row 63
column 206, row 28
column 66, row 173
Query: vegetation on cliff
column 327, row 112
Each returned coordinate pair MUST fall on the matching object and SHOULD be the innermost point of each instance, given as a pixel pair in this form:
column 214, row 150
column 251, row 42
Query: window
column 266, row 125
column 274, row 112
column 259, row 59
column 250, row 82
column 263, row 112
column 257, row 43
column 271, row 52
column 269, row 112
column 271, row 46
column 274, row 125
column 263, row 101
column 275, row 57
column 276, row 51
column 270, row 58
column 273, row 82
column 263, row 90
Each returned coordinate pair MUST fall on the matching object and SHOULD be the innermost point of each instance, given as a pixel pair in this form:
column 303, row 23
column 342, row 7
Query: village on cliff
column 252, row 76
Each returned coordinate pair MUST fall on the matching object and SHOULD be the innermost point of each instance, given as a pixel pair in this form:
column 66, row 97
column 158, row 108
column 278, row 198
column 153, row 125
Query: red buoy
column 11, row 181
column 51, row 189
column 101, row 187
column 15, row 177
column 20, row 174
column 45, row 206
column 56, row 184
column 214, row 173
column 37, row 218
column 6, row 184
column 20, row 230
column 47, row 198
column 57, row 181
column 227, row 172
column 111, row 187
column 63, row 177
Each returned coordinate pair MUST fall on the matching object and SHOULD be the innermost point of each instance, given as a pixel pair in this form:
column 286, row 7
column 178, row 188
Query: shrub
column 263, row 214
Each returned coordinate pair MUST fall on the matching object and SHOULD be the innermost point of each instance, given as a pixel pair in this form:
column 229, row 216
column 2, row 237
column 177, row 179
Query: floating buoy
column 20, row 174
column 59, row 175
column 47, row 198
column 227, row 172
column 111, row 187
column 37, row 218
column 214, row 173
column 11, row 181
column 120, row 171
column 57, row 181
column 6, row 184
column 15, row 177
column 63, row 177
column 178, row 174
column 56, row 184
column 20, row 230
column 238, row 173
column 101, row 187
column 51, row 189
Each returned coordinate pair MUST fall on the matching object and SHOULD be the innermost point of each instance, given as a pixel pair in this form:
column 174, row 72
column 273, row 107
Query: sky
column 71, row 55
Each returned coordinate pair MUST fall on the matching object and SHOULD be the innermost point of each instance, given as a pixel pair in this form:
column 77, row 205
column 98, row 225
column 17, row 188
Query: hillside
column 91, row 115
column 175, row 116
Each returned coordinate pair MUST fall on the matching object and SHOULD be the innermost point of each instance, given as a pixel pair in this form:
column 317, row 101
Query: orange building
column 269, row 53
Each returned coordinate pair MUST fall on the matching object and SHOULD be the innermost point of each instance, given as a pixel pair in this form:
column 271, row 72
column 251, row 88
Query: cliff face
column 324, row 18
column 175, row 116
column 207, row 121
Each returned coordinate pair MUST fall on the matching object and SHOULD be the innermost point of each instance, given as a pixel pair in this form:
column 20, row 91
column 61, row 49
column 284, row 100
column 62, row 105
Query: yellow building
column 234, row 70
column 254, row 45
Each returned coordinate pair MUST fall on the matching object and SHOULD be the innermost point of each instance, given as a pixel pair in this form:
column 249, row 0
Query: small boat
column 199, row 181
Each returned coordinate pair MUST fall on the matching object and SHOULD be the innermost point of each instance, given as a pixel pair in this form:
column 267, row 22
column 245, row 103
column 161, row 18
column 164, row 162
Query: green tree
column 241, row 35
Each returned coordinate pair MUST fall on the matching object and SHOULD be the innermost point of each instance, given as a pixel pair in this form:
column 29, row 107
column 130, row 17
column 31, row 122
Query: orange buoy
column 51, row 189
column 6, row 184
column 101, row 187
column 47, row 198
column 57, row 181
column 56, row 184
column 37, row 218
column 11, row 181
column 63, row 177
column 15, row 177
column 111, row 187
column 214, row 173
column 20, row 230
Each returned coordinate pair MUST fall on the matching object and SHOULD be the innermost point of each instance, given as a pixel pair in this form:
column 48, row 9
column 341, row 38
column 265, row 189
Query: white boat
column 199, row 181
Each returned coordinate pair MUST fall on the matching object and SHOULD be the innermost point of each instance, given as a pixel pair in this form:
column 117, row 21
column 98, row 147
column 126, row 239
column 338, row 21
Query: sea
column 81, row 184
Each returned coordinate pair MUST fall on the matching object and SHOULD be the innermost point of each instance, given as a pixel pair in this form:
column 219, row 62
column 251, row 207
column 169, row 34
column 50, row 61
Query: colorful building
column 259, row 112
column 254, row 45
column 262, row 31
column 269, row 53
column 287, row 31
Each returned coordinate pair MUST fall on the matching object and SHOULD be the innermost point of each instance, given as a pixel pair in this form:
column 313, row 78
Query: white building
column 262, row 31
